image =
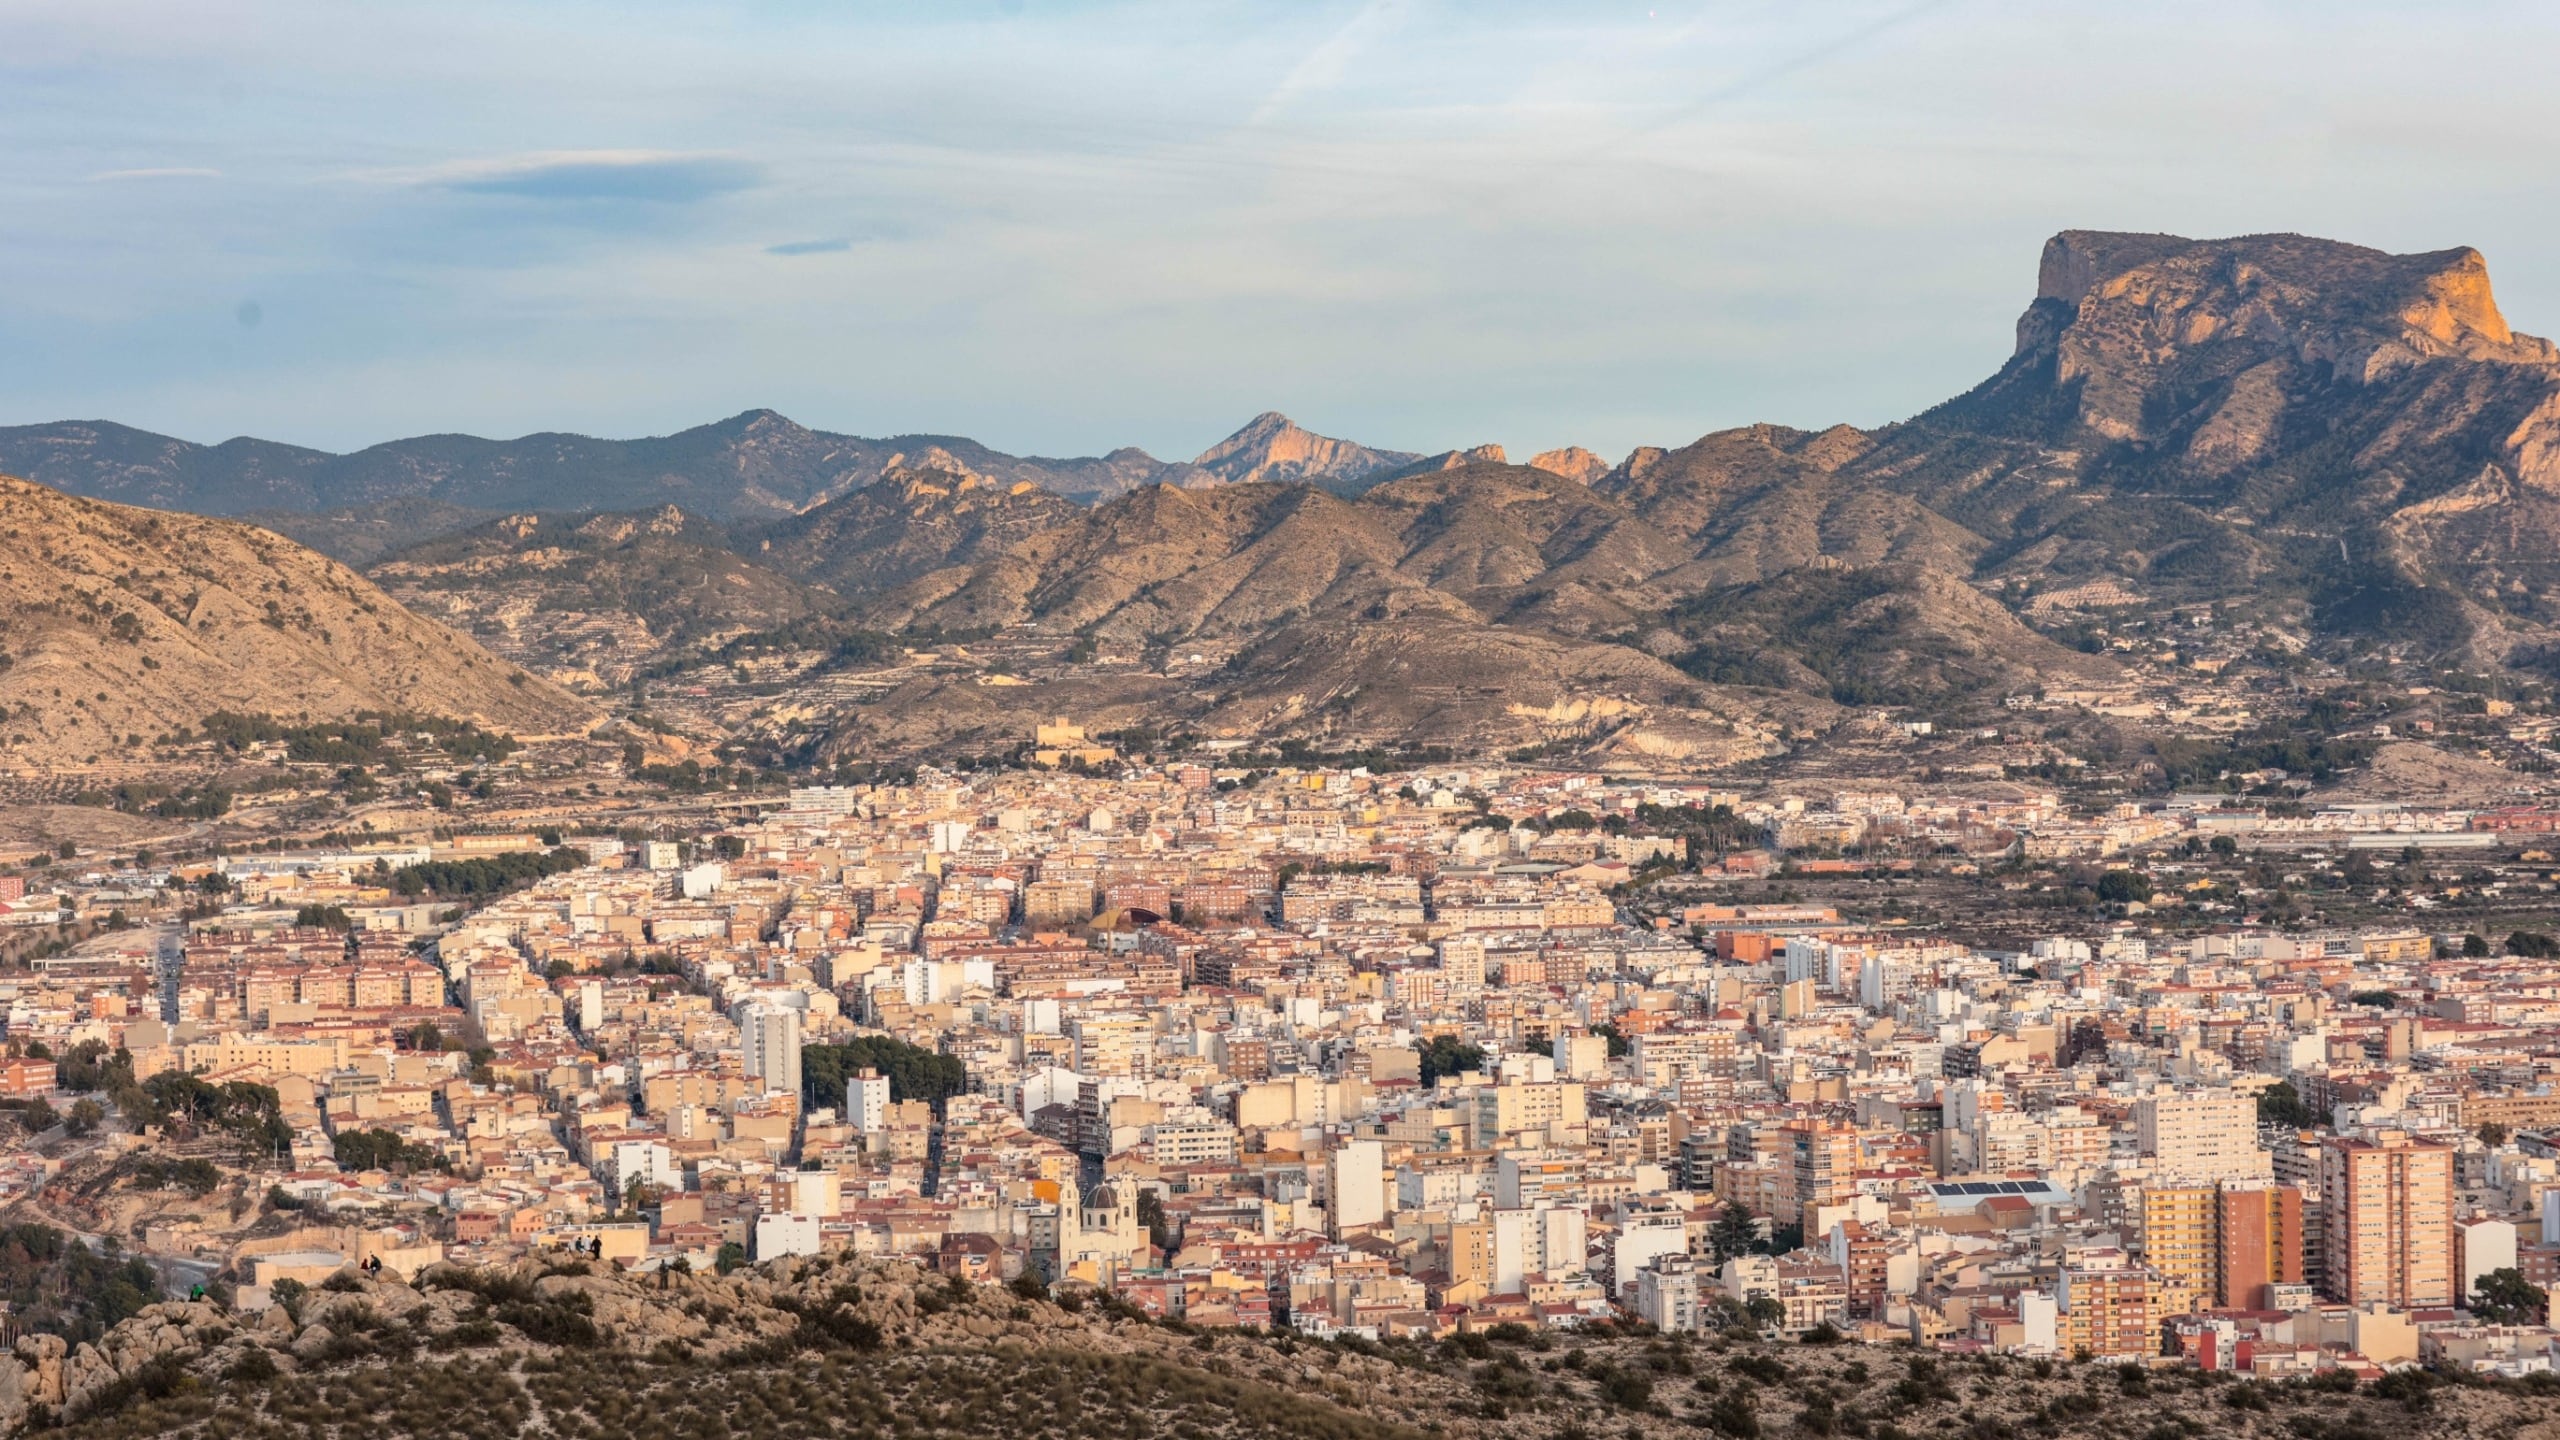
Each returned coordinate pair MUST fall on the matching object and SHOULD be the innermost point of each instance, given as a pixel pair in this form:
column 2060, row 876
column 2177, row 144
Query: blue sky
column 1061, row 228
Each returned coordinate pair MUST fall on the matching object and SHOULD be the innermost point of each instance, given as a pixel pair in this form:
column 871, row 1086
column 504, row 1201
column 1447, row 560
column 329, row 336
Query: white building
column 633, row 1163
column 1671, row 1296
column 1356, row 1186
column 2202, row 1135
column 769, row 1037
column 1641, row 1240
column 866, row 1101
column 1581, row 1056
column 778, row 1235
column 2485, row 1247
column 1536, row 1244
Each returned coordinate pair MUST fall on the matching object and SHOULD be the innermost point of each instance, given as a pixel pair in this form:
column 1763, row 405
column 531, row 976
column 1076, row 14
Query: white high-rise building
column 1641, row 1240
column 769, row 1036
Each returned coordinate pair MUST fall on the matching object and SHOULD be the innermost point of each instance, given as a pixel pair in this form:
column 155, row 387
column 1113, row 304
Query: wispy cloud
column 1324, row 66
column 161, row 172
column 809, row 247
column 1831, row 48
column 648, row 176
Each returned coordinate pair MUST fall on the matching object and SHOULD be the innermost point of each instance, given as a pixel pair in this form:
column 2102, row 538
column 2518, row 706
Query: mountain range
column 753, row 466
column 2349, row 449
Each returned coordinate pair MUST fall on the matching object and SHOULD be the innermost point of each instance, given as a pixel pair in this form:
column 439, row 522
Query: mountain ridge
column 755, row 465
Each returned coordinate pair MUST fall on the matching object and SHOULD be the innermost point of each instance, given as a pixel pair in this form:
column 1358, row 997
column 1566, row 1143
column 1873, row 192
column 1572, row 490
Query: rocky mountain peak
column 1270, row 446
column 2178, row 293
column 2214, row 339
column 759, row 422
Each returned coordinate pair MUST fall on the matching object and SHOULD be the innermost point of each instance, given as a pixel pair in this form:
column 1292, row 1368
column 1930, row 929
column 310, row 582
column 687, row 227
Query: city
column 1351, row 720
column 1398, row 1055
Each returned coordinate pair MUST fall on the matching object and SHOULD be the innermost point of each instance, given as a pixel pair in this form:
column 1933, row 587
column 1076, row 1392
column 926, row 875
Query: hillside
column 359, row 535
column 589, row 599
column 121, row 624
column 1492, row 604
column 909, row 523
column 828, row 1347
column 2324, row 441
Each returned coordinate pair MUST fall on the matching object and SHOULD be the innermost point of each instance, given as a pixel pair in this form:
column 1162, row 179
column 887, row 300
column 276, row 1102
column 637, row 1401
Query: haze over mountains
column 2350, row 448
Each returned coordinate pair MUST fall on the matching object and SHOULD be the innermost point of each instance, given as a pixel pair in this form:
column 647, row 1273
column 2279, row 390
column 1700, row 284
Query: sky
column 1062, row 228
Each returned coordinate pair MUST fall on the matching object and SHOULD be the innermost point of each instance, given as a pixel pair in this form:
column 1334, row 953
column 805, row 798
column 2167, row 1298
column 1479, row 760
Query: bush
column 1733, row 1414
column 254, row 1367
column 1767, row 1369
column 1628, row 1389
column 562, row 1320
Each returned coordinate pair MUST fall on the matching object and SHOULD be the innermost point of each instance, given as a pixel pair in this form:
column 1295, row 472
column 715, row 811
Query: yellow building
column 2180, row 1230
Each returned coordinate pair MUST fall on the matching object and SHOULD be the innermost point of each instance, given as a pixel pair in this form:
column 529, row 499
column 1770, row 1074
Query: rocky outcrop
column 45, row 1375
column 1572, row 462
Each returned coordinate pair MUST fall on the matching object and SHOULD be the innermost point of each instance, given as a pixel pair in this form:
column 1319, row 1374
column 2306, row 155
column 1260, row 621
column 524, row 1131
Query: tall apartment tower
column 866, row 1101
column 2389, row 1220
column 2180, row 1226
column 1826, row 1165
column 2259, row 1244
column 769, row 1041
column 2219, row 1245
column 2202, row 1136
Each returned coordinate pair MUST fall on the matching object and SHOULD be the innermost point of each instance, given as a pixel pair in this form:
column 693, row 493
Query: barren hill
column 2328, row 445
column 1526, row 588
column 122, row 624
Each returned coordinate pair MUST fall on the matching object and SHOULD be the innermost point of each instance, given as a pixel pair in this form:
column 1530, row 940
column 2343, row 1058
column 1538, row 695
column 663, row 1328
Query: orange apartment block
column 2388, row 1226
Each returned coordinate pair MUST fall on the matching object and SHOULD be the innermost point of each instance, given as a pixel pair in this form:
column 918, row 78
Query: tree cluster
column 914, row 1073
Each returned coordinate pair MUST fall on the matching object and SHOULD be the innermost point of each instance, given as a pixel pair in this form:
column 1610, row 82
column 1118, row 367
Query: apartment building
column 2389, row 1221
